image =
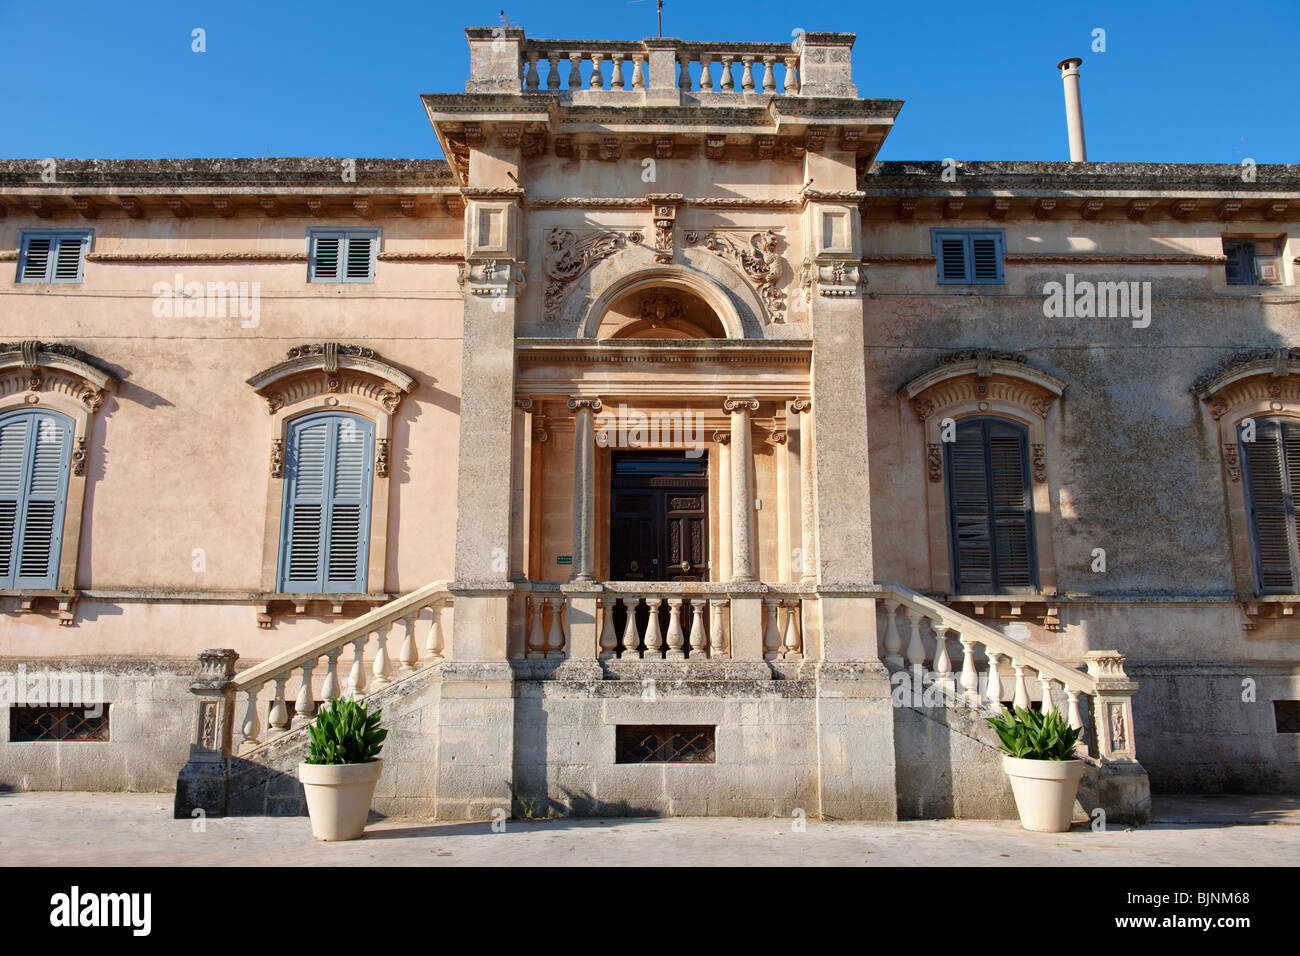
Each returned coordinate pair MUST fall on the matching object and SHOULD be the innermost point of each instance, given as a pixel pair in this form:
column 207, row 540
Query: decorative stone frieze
column 760, row 263
column 571, row 255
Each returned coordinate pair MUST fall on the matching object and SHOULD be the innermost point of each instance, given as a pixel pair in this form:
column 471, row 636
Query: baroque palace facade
column 661, row 450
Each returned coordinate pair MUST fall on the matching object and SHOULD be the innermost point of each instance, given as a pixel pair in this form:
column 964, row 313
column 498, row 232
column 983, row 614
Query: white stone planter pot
column 1044, row 791
column 338, row 797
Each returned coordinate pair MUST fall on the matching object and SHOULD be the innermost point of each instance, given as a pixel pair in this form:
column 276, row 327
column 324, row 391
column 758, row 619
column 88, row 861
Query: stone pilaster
column 584, row 488
column 742, row 489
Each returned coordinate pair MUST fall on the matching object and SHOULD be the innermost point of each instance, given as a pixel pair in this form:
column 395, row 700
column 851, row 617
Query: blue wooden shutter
column 360, row 258
column 1271, row 466
column 951, row 250
column 328, row 474
column 986, row 258
column 53, row 257
column 35, row 265
column 326, row 257
column 1240, row 267
column 35, row 454
column 990, row 512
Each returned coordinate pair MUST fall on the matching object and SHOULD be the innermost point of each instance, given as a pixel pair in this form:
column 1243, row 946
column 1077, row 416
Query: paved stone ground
column 133, row 829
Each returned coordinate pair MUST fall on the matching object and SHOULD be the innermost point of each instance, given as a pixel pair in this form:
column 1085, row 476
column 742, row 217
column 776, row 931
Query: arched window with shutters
column 35, row 457
column 988, row 424
column 990, row 506
column 327, row 494
column 1270, row 469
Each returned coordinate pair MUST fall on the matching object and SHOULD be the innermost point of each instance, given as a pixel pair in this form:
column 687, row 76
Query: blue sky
column 1196, row 81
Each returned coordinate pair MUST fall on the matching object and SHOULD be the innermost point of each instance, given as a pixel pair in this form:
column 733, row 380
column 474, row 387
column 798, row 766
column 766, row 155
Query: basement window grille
column 47, row 724
column 669, row 743
column 1287, row 715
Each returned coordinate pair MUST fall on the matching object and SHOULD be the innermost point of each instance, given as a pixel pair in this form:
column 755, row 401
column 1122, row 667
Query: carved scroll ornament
column 572, row 255
column 760, row 262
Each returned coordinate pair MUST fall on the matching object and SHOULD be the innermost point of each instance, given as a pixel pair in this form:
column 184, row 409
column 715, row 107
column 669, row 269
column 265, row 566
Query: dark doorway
column 659, row 517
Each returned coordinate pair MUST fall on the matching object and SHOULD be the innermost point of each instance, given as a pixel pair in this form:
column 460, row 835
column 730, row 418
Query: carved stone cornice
column 1251, row 376
column 35, row 366
column 980, row 376
column 331, row 368
column 195, row 256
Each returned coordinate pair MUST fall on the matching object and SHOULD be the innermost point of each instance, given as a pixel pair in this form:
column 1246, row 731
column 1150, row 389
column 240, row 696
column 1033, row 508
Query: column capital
column 798, row 405
column 744, row 404
column 524, row 404
column 577, row 402
column 722, row 438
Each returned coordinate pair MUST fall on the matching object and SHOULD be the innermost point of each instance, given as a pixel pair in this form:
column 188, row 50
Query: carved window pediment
column 1255, row 378
column 55, row 368
column 980, row 377
column 316, row 371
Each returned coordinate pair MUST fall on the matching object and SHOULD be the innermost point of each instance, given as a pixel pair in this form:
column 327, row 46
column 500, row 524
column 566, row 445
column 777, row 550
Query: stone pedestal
column 203, row 783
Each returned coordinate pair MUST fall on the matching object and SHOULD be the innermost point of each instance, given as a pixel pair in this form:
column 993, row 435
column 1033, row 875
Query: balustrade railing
column 371, row 631
column 554, row 66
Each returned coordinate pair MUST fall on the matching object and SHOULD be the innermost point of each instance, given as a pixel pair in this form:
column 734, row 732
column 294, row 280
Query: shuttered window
column 52, row 256
column 342, row 255
column 990, row 507
column 35, row 455
column 968, row 256
column 325, row 546
column 1253, row 261
column 1271, row 470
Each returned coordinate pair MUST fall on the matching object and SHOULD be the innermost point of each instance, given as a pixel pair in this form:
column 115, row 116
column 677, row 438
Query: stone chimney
column 1073, row 108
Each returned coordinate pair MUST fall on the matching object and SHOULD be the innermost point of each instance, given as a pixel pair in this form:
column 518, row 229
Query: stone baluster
column 536, row 636
column 408, row 657
column 631, row 639
column 433, row 640
column 304, row 707
column 791, row 85
column 1045, row 688
column 793, row 645
column 575, row 71
column 553, row 71
column 893, row 643
column 382, row 665
column 728, row 80
column 994, row 688
column 638, row 71
column 697, row 638
column 251, row 728
column 676, row 639
column 915, row 646
column 330, row 689
column 357, row 678
column 1073, row 715
column 771, row 633
column 608, row 641
column 597, row 77
column 654, row 640
column 555, row 637
column 942, row 662
column 684, row 73
column 616, row 77
column 1022, row 689
column 970, row 678
column 747, row 74
column 706, row 77
column 531, row 81
column 278, row 718
column 769, row 75
column 717, row 630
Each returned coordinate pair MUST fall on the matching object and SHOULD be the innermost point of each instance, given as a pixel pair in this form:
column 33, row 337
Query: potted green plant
column 1040, row 762
column 341, row 769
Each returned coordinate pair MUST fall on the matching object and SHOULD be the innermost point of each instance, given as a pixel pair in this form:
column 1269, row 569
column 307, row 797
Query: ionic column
column 584, row 488
column 742, row 489
column 723, row 440
column 520, row 486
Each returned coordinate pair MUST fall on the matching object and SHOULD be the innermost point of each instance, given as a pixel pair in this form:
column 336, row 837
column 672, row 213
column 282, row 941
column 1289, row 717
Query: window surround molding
column 979, row 383
column 57, row 376
column 328, row 377
column 1258, row 383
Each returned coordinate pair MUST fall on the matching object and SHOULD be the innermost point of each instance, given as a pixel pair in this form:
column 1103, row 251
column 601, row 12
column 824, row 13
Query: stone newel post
column 1124, row 791
column 203, row 782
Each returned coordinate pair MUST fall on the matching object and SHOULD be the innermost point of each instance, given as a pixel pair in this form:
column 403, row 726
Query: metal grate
column 1287, row 715
column 669, row 743
column 32, row 724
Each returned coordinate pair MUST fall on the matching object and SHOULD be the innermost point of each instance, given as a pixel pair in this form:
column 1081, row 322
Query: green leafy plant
column 345, row 732
column 1031, row 735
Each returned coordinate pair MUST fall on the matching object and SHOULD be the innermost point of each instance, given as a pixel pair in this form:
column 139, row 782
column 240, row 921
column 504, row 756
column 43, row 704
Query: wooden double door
column 659, row 517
